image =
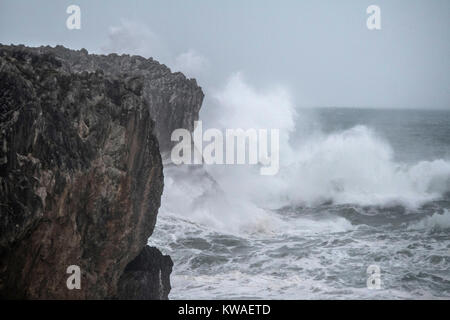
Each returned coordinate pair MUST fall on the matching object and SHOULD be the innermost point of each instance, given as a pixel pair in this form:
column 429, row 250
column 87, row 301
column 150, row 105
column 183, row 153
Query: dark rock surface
column 146, row 277
column 174, row 101
column 81, row 175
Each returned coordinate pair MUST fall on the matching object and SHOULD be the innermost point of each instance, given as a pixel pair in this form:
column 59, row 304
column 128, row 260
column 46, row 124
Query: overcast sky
column 320, row 50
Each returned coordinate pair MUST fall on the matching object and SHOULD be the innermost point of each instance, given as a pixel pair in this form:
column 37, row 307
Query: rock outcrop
column 81, row 175
column 146, row 277
column 174, row 101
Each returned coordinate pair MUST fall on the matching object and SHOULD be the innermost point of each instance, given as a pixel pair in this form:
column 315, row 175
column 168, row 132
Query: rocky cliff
column 81, row 175
column 173, row 100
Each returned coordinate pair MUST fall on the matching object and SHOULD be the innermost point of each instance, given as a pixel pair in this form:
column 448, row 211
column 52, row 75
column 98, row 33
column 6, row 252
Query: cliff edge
column 81, row 175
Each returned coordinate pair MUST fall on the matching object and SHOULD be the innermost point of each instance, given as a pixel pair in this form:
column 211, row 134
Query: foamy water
column 355, row 188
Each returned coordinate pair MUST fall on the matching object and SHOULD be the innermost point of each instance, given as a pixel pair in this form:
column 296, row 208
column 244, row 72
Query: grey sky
column 320, row 50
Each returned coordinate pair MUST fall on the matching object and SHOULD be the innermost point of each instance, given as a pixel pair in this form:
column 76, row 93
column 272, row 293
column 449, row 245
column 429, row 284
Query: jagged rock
column 174, row 101
column 146, row 277
column 80, row 168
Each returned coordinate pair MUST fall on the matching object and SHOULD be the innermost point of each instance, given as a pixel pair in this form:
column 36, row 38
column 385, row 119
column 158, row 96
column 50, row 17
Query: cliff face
column 80, row 171
column 174, row 101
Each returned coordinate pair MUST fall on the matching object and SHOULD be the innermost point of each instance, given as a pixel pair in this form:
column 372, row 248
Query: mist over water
column 355, row 188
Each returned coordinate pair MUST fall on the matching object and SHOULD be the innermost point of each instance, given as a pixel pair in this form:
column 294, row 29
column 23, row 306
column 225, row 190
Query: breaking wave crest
column 354, row 166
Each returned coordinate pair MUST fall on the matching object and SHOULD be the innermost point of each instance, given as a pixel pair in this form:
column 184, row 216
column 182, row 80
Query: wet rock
column 81, row 175
column 146, row 277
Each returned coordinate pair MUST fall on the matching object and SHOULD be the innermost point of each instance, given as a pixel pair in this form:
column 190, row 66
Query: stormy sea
column 357, row 188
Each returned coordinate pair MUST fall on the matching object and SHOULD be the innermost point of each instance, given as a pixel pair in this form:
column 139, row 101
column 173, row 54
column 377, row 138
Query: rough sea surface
column 367, row 187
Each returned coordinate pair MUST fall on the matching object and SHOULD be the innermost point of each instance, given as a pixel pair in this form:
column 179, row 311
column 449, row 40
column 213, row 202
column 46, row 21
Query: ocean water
column 356, row 188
